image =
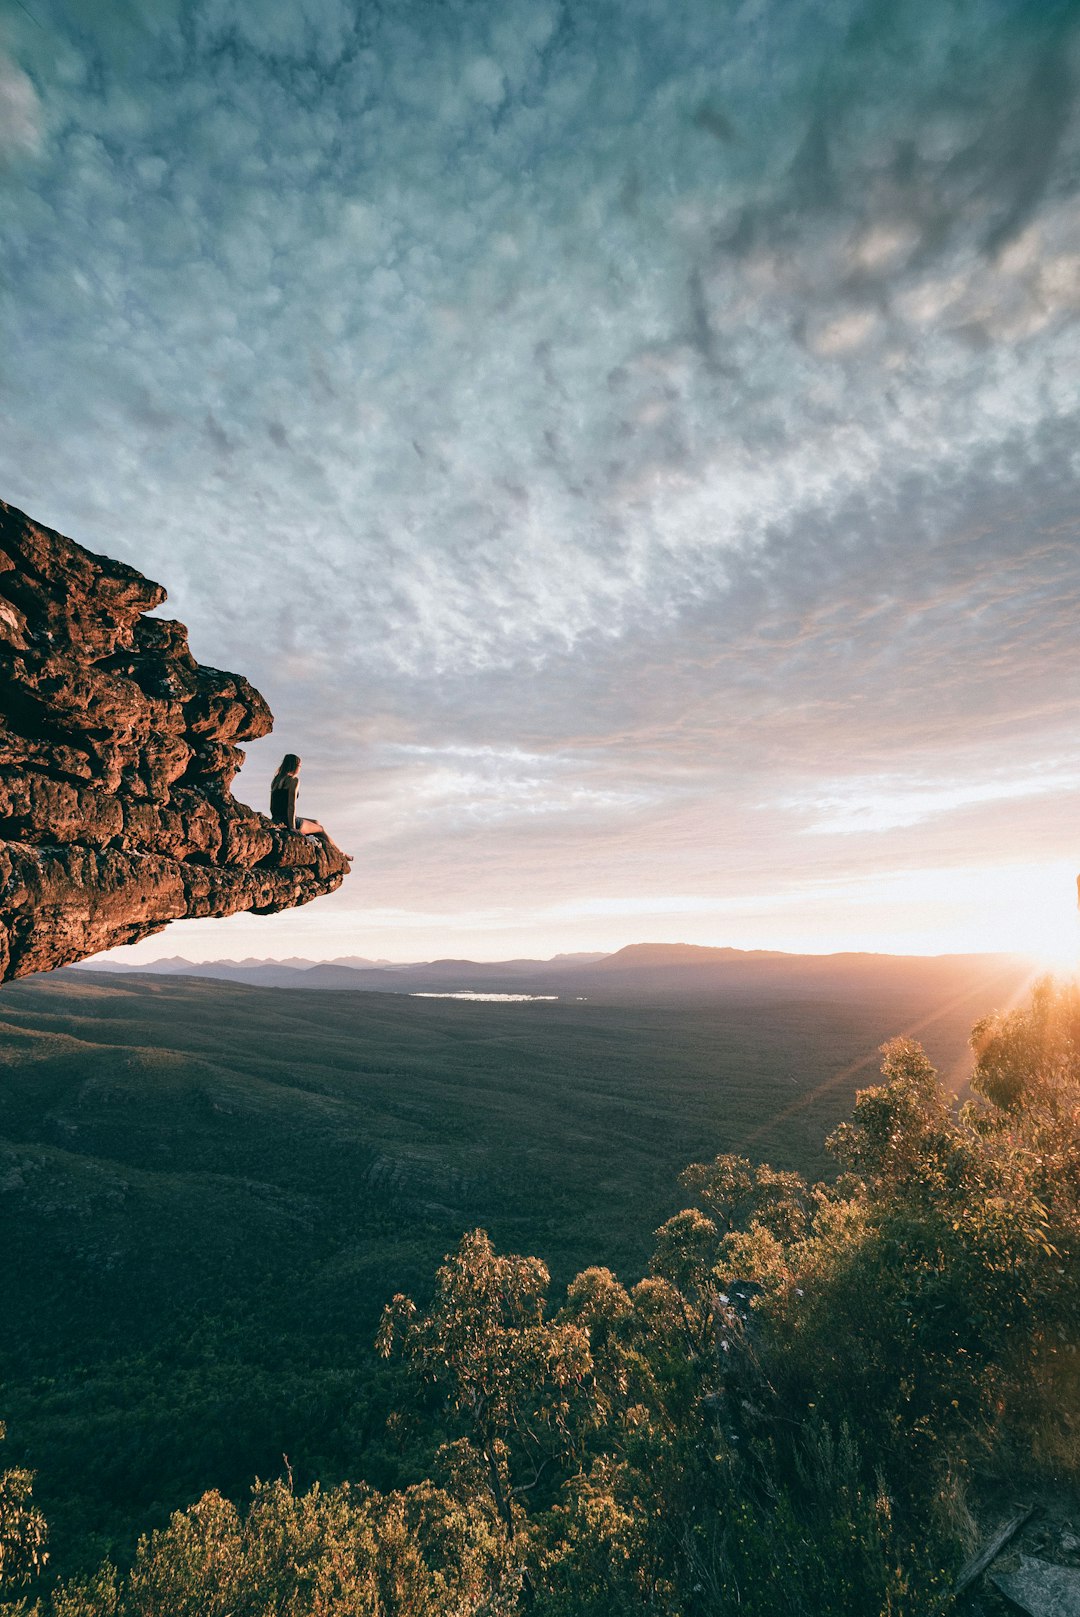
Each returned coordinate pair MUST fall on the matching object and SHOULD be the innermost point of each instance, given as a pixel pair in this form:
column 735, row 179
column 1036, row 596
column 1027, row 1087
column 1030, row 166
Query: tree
column 346, row 1552
column 513, row 1376
column 23, row 1533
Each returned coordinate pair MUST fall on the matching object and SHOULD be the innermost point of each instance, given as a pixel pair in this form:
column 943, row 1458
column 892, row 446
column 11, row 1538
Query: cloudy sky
column 632, row 444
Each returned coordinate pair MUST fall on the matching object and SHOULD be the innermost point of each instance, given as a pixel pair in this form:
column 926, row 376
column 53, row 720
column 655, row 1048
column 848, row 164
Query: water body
column 469, row 993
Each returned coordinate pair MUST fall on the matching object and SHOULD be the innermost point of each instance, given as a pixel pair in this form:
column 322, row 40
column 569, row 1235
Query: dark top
column 283, row 801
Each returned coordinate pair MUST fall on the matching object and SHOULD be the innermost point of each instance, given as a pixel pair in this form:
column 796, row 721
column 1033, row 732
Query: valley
column 209, row 1189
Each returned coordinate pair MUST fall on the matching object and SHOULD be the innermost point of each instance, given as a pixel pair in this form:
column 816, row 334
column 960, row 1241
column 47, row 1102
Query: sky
column 633, row 446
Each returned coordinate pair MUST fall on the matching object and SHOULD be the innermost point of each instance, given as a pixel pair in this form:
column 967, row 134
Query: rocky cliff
column 117, row 754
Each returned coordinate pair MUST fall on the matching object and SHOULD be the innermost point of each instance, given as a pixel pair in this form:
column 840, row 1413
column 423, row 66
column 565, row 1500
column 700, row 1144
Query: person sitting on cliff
column 283, row 789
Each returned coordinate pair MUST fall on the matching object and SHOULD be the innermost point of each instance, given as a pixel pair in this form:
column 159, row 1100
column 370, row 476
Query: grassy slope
column 209, row 1190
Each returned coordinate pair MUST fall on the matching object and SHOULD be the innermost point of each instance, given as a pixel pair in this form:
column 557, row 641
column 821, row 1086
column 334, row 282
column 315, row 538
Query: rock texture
column 1041, row 1588
column 117, row 753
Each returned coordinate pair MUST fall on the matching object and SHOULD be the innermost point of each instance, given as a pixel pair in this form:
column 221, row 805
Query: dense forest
column 809, row 1404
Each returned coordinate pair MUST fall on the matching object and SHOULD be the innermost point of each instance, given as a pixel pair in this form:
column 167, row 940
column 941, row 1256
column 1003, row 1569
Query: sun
column 1047, row 923
column 1025, row 909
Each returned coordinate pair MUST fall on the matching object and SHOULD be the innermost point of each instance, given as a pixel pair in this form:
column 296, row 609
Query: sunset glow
column 1025, row 910
column 635, row 457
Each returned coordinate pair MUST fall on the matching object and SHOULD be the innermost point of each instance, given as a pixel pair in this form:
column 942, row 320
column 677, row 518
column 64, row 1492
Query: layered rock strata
column 117, row 754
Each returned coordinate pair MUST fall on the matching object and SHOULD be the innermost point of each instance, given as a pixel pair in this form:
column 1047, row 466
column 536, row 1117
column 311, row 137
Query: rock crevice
column 117, row 756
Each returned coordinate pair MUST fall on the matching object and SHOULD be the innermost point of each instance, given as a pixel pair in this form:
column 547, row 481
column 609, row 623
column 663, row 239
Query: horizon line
column 590, row 955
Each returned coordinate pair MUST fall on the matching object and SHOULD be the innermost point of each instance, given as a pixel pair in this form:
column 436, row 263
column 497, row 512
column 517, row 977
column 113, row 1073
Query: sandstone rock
column 117, row 754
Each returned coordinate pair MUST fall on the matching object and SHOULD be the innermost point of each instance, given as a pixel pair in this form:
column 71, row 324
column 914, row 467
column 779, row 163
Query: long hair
column 288, row 766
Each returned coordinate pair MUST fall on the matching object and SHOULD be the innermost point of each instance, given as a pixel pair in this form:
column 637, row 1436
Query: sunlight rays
column 956, row 1075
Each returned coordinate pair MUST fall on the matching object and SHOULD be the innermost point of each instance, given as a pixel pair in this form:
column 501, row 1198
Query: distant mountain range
column 642, row 971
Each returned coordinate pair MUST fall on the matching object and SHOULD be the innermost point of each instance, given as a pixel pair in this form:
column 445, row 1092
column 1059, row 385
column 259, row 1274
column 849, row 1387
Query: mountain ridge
column 637, row 972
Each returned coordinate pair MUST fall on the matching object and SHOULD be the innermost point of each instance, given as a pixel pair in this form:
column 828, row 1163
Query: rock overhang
column 117, row 756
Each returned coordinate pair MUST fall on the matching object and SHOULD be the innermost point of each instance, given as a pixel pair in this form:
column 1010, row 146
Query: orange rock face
column 117, row 754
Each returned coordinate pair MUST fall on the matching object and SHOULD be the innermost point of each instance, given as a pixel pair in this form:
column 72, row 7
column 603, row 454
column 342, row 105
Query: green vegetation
column 795, row 1409
column 23, row 1533
column 216, row 1189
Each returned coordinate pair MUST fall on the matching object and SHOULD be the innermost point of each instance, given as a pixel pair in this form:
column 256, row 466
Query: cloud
column 666, row 402
column 867, row 806
column 484, row 785
column 20, row 112
column 608, row 407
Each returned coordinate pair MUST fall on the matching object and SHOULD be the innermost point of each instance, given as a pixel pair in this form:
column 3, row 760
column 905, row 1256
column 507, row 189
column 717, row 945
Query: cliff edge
column 117, row 754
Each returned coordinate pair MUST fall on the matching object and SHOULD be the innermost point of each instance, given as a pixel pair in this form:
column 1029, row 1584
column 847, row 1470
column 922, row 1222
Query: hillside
column 216, row 1188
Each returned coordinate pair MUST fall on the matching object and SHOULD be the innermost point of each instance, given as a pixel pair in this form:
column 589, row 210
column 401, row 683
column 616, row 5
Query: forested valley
column 817, row 1395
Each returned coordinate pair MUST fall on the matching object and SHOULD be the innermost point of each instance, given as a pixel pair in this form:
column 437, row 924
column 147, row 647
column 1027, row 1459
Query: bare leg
column 312, row 828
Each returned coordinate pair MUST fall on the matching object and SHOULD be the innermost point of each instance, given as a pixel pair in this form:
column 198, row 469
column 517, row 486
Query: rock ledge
column 117, row 754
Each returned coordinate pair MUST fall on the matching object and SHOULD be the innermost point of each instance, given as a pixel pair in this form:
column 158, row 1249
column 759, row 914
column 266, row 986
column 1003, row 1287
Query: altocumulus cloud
column 677, row 402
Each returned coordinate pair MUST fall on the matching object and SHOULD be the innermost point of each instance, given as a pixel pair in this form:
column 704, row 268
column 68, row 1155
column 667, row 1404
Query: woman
column 283, row 790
